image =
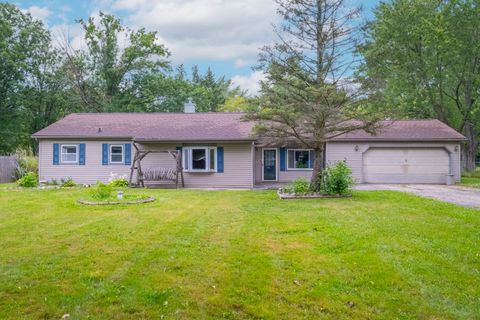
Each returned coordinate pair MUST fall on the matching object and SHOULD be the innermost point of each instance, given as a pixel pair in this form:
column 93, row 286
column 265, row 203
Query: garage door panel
column 405, row 165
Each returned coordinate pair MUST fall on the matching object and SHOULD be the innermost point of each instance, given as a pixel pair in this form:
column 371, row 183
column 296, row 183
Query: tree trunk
column 469, row 151
column 315, row 180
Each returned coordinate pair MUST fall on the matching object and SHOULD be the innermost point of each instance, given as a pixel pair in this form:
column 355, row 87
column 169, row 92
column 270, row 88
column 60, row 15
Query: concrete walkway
column 467, row 197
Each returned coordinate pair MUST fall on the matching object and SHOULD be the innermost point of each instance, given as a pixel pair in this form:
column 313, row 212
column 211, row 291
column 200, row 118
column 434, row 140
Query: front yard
column 237, row 255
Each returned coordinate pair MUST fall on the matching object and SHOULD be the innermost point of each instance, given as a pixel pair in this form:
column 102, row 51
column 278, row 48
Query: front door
column 269, row 164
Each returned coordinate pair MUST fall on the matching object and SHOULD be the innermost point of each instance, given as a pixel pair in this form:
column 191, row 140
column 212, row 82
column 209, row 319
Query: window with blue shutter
column 56, row 154
column 105, row 154
column 128, row 154
column 283, row 159
column 220, row 159
column 81, row 154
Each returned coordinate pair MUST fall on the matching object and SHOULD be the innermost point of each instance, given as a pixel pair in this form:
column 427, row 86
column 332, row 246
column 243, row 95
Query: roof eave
column 193, row 140
column 396, row 140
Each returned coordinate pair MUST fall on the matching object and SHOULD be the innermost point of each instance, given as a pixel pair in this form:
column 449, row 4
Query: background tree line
column 414, row 59
column 43, row 79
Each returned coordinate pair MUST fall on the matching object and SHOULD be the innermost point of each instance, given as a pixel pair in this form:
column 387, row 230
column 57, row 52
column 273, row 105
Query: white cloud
column 205, row 29
column 39, row 13
column 250, row 83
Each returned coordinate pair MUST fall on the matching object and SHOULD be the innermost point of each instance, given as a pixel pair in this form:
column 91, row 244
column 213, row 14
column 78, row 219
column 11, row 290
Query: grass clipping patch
column 103, row 194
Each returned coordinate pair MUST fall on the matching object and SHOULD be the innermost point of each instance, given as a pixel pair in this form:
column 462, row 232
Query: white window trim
column 207, row 159
column 76, row 153
column 299, row 169
column 110, row 154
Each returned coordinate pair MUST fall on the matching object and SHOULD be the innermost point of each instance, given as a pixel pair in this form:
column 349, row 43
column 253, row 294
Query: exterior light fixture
column 456, row 148
column 356, row 148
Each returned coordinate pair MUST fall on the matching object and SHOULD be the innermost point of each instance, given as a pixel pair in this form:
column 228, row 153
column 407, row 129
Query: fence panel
column 7, row 168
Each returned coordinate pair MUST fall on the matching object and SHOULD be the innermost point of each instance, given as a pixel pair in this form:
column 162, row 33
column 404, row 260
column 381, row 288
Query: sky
column 225, row 35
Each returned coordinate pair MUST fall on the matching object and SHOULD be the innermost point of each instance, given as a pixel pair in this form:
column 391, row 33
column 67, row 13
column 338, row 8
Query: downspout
column 450, row 179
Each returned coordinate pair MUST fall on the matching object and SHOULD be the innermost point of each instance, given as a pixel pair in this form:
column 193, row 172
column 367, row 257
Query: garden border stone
column 290, row 196
column 90, row 203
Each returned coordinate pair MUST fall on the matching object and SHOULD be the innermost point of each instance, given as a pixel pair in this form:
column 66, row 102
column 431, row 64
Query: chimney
column 189, row 107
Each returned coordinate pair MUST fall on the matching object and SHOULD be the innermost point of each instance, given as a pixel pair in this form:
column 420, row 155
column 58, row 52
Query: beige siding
column 420, row 152
column 92, row 171
column 283, row 176
column 238, row 167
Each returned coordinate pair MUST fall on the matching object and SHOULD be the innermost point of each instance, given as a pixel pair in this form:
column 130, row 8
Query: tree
column 108, row 77
column 30, row 91
column 237, row 103
column 308, row 96
column 423, row 58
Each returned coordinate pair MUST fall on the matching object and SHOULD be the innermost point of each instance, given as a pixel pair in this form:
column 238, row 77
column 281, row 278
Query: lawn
column 237, row 255
column 471, row 179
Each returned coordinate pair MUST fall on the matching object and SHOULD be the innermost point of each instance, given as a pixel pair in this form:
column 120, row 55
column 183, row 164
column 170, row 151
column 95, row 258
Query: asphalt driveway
column 467, row 197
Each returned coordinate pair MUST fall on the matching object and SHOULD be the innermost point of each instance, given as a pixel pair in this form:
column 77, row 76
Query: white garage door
column 405, row 165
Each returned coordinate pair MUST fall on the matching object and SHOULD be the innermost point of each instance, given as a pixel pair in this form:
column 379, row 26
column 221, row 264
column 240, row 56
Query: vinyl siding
column 337, row 151
column 283, row 176
column 238, row 166
column 92, row 171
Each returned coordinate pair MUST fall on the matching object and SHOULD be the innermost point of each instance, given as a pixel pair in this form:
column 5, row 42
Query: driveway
column 467, row 197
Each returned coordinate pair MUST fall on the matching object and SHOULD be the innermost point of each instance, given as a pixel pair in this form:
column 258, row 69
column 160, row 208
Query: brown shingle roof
column 406, row 130
column 218, row 127
column 152, row 126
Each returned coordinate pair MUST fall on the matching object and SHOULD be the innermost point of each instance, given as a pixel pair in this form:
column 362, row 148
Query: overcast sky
column 223, row 34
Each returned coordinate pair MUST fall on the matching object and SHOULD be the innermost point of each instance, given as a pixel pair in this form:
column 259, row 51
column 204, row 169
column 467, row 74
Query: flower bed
column 126, row 200
column 310, row 195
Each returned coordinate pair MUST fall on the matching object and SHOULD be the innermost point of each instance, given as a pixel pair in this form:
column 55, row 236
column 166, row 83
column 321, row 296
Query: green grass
column 8, row 185
column 237, row 255
column 471, row 179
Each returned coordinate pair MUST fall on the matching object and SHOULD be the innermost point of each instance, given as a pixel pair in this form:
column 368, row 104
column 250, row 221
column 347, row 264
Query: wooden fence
column 7, row 168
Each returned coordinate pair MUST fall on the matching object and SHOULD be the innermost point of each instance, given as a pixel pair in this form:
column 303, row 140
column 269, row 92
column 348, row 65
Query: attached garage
column 416, row 151
column 406, row 165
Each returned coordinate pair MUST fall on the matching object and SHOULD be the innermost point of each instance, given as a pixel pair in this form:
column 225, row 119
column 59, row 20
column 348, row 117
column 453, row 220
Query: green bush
column 26, row 162
column 66, row 183
column 29, row 180
column 298, row 186
column 337, row 179
column 101, row 191
column 119, row 182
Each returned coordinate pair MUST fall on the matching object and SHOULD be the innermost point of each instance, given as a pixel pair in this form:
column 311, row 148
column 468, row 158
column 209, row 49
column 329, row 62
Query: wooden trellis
column 156, row 174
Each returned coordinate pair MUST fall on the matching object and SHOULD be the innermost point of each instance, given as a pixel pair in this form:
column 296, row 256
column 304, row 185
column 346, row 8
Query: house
column 219, row 150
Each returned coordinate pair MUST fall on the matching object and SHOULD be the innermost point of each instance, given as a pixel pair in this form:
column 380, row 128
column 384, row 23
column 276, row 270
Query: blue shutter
column 56, row 154
column 128, row 154
column 81, row 154
column 282, row 159
column 105, row 154
column 220, row 161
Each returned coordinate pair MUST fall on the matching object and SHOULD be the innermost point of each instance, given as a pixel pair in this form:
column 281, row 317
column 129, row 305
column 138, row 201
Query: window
column 200, row 159
column 116, row 154
column 300, row 159
column 69, row 153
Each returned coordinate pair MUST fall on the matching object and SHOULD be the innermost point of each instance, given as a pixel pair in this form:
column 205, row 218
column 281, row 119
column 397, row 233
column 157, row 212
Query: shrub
column 67, row 182
column 337, row 179
column 26, row 162
column 298, row 186
column 101, row 191
column 117, row 181
column 29, row 180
